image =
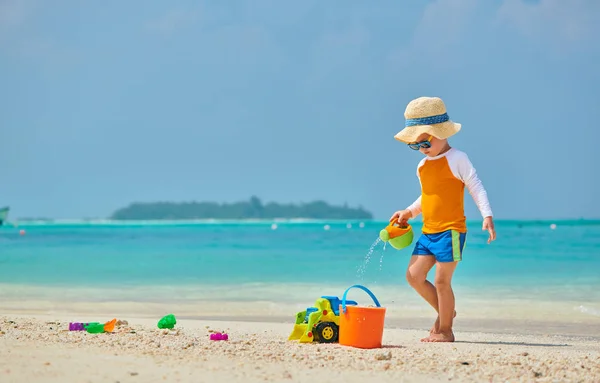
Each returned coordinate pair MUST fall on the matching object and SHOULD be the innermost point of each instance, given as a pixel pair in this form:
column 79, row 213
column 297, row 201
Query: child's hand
column 488, row 224
column 401, row 216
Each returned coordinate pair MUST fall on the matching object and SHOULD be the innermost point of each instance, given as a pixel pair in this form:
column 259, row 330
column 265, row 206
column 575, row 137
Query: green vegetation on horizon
column 251, row 209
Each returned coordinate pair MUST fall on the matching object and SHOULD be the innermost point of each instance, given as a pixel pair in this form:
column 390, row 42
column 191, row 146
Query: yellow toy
column 320, row 323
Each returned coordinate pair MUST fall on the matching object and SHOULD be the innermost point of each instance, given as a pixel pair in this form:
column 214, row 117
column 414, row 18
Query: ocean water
column 255, row 261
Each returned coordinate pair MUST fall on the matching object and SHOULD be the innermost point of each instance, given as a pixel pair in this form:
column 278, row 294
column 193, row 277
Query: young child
column 443, row 175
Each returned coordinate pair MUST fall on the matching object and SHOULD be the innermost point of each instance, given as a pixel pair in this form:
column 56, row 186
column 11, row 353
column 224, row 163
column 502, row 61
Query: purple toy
column 219, row 336
column 78, row 326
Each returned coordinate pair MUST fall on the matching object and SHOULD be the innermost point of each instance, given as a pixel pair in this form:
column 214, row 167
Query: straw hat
column 426, row 115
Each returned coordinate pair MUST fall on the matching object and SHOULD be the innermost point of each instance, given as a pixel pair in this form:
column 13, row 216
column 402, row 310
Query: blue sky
column 105, row 103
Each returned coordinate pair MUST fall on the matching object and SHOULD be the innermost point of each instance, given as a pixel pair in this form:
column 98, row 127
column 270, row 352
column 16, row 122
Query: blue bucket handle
column 362, row 288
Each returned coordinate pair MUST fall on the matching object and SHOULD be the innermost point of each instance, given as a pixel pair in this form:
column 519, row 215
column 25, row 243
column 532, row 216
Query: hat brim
column 441, row 131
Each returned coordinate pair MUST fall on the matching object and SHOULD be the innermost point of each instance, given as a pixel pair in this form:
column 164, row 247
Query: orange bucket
column 361, row 327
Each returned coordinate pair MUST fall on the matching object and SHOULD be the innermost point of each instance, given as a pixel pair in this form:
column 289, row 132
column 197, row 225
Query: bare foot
column 436, row 325
column 439, row 337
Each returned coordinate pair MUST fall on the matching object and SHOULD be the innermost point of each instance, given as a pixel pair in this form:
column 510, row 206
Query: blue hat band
column 427, row 120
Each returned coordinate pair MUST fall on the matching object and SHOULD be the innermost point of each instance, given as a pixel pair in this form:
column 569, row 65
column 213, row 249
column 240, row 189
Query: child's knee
column 415, row 279
column 442, row 281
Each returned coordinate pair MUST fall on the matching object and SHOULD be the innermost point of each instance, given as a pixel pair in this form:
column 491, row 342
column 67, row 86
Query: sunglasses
column 426, row 144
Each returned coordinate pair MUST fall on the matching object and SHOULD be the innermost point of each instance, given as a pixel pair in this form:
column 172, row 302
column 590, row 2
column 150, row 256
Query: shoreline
column 404, row 308
column 41, row 349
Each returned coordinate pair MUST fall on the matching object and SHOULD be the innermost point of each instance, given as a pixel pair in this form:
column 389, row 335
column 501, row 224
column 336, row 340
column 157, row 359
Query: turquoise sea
column 277, row 262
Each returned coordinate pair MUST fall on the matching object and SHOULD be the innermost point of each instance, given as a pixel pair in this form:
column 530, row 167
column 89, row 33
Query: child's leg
column 416, row 276
column 445, row 295
column 436, row 325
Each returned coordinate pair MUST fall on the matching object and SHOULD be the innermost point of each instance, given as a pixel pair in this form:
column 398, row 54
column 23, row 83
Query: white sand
column 41, row 349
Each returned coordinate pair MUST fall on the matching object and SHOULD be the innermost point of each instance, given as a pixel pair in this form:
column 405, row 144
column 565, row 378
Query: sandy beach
column 39, row 348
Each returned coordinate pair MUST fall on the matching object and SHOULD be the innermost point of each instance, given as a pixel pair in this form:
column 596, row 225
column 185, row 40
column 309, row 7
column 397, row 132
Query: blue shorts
column 446, row 246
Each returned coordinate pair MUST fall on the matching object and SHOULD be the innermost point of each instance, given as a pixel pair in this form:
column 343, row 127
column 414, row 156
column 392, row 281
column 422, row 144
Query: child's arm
column 402, row 216
column 415, row 208
column 468, row 174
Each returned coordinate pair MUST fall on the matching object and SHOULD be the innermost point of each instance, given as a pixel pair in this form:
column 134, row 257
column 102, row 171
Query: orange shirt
column 443, row 179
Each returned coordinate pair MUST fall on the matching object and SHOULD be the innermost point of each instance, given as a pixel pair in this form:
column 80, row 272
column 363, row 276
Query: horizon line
column 266, row 220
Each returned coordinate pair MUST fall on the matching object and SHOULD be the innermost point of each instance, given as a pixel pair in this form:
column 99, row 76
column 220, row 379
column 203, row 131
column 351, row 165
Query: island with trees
column 251, row 209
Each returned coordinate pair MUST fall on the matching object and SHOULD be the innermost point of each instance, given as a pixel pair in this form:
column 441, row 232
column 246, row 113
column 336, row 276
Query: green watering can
column 397, row 236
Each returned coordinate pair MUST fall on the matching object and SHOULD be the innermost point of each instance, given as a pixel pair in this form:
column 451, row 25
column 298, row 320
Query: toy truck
column 319, row 323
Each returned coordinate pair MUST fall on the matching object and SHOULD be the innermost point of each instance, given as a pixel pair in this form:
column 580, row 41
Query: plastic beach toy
column 98, row 328
column 79, row 326
column 399, row 237
column 319, row 323
column 360, row 326
column 219, row 336
column 168, row 321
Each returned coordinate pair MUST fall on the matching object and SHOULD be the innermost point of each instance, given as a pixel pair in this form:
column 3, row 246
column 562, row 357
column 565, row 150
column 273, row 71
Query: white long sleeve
column 415, row 207
column 466, row 172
